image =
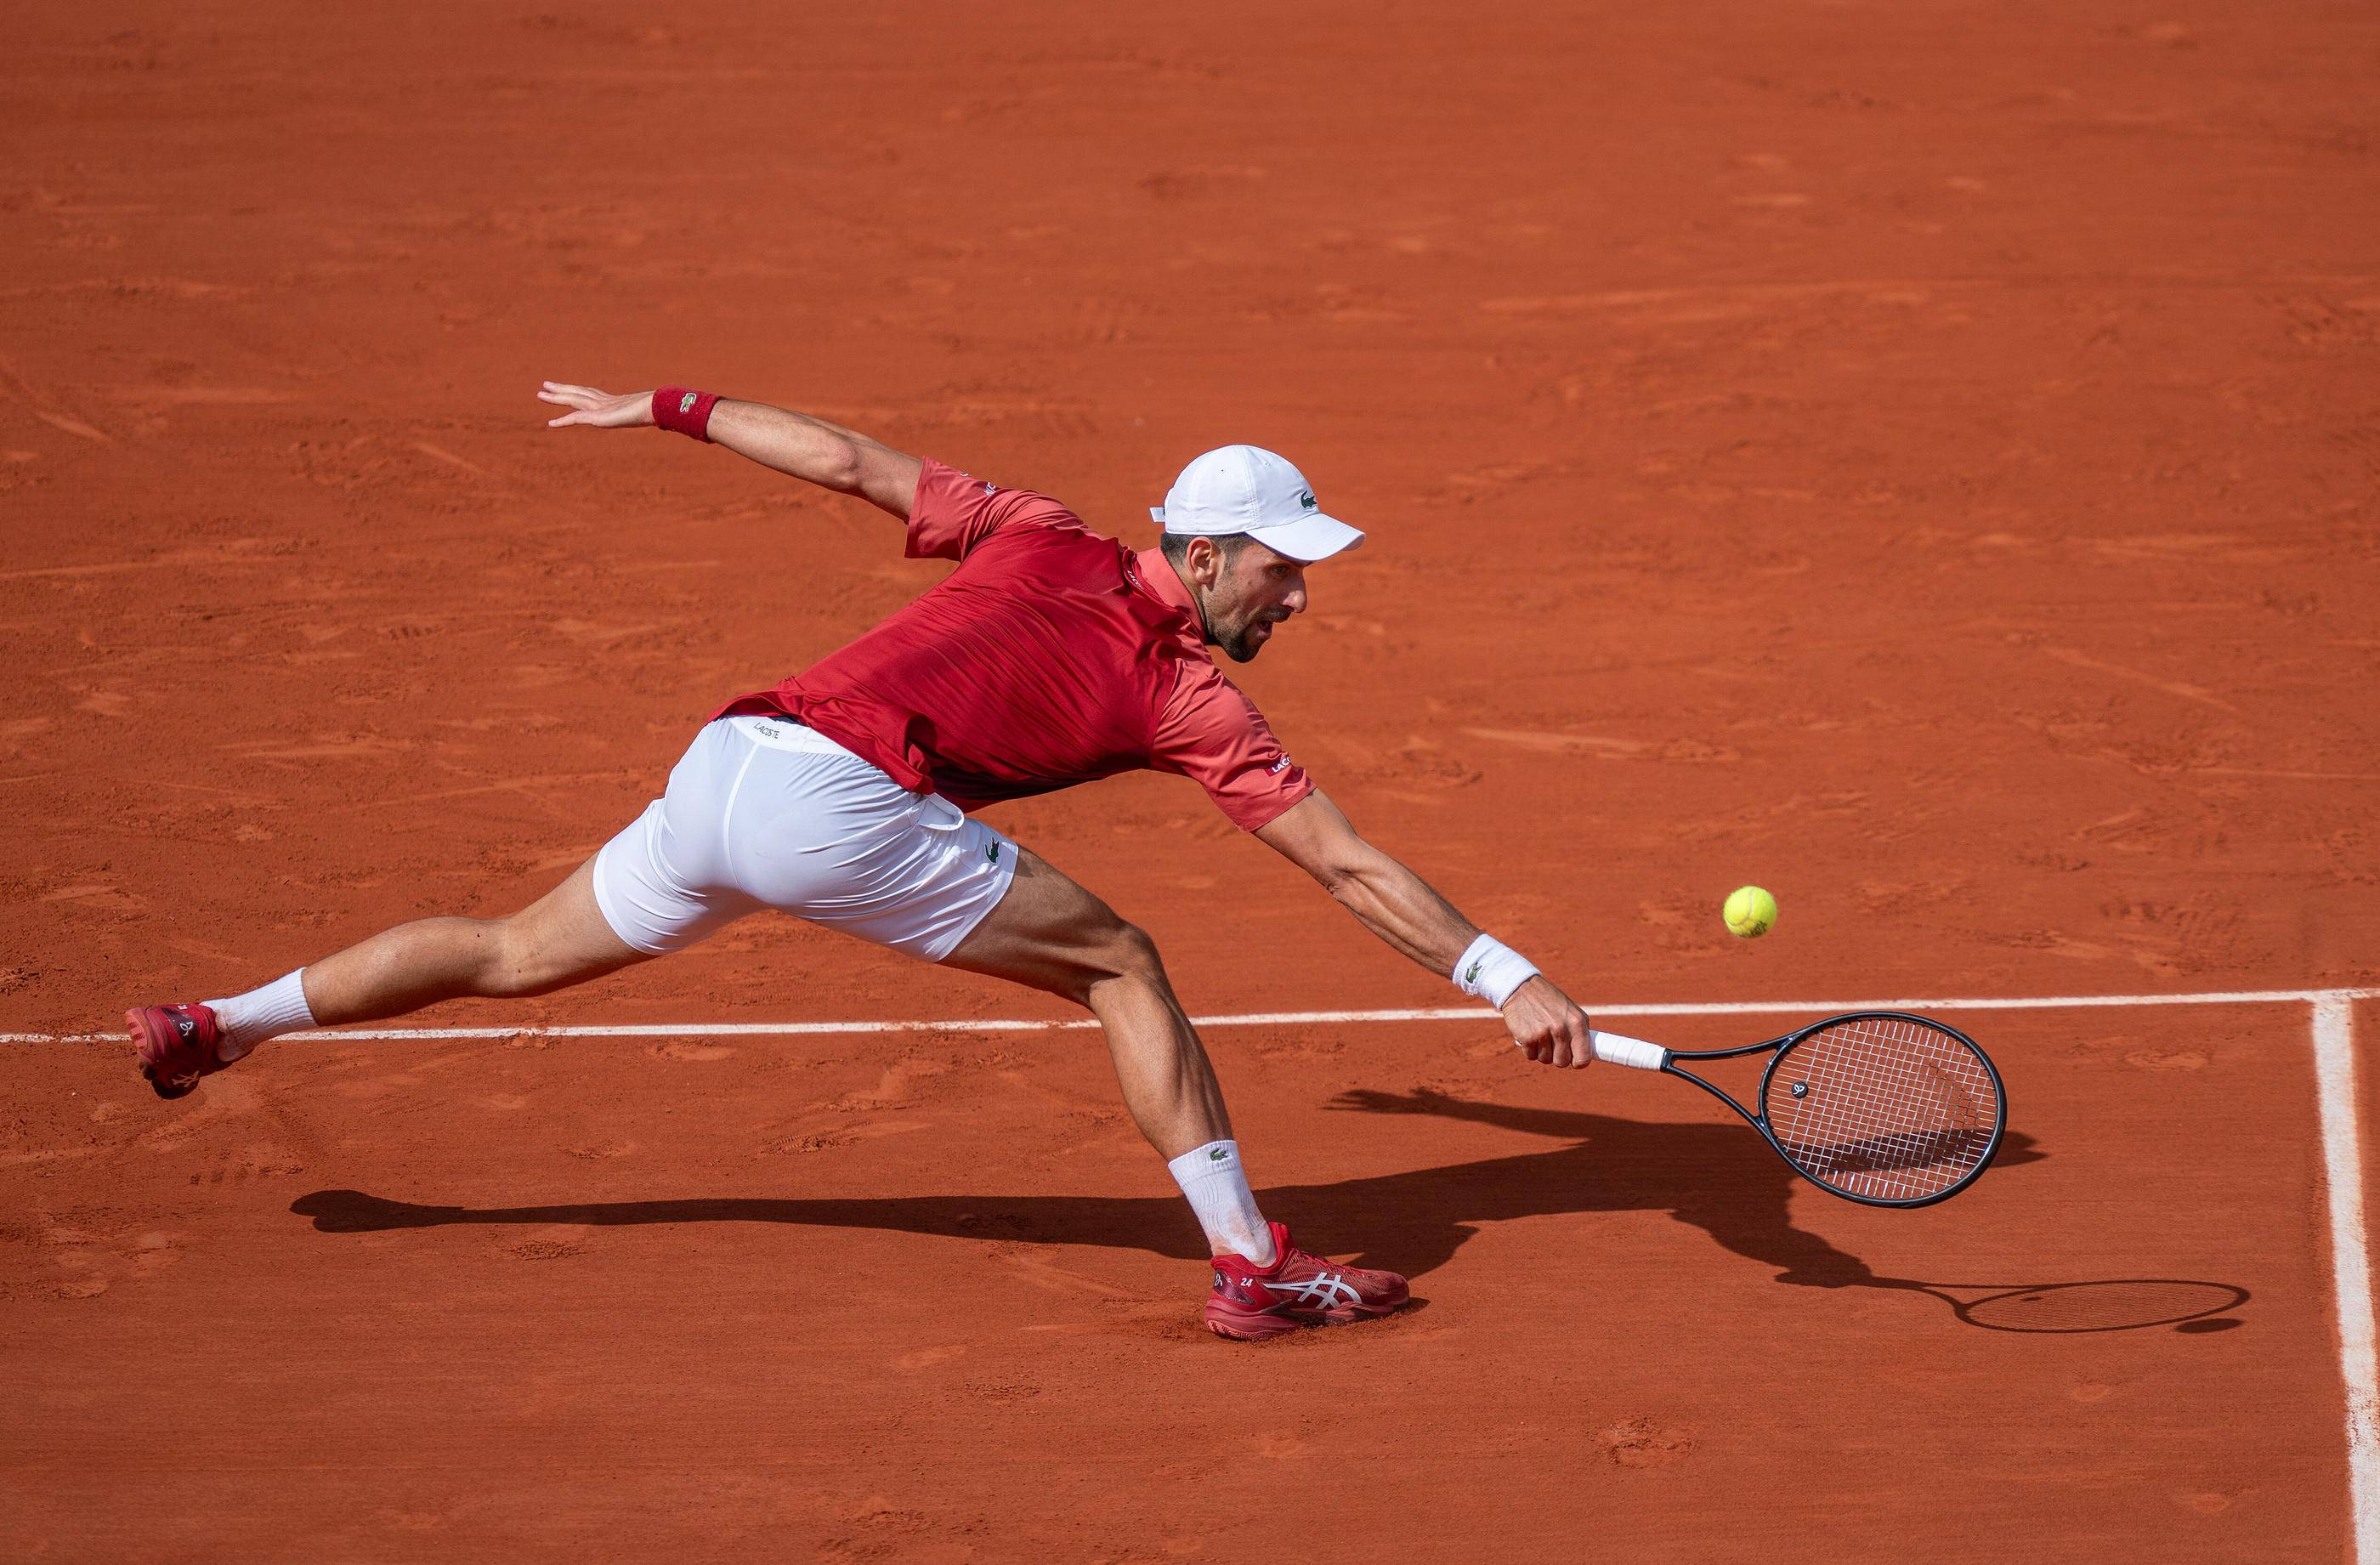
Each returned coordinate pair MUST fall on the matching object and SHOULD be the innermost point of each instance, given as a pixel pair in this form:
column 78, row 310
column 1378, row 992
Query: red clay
column 1920, row 460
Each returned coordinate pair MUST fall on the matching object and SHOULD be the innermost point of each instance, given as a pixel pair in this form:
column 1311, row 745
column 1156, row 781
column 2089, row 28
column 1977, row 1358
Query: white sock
column 1217, row 1188
column 248, row 1019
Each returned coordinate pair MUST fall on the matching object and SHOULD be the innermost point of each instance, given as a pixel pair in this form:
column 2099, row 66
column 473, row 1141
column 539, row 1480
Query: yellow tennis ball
column 1750, row 912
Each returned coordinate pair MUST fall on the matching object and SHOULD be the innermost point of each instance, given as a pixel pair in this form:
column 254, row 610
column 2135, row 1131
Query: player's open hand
column 1547, row 1026
column 598, row 409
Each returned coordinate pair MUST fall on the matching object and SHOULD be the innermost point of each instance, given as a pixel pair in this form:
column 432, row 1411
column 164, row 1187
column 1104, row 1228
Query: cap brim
column 1309, row 538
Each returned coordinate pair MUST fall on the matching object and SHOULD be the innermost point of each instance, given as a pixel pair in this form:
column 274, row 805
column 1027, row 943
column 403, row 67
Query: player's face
column 1248, row 594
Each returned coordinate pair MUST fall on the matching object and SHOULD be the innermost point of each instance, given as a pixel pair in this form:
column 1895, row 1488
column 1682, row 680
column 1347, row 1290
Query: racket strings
column 1889, row 1109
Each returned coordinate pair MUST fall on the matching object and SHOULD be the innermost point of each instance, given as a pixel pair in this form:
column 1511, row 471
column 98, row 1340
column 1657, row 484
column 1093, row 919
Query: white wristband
column 1492, row 970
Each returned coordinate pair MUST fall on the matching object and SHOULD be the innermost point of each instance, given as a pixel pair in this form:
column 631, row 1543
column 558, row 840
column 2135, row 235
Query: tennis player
column 845, row 796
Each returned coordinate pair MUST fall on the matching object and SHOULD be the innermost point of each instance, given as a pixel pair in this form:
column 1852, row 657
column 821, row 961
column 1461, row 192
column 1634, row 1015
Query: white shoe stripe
column 1324, row 1291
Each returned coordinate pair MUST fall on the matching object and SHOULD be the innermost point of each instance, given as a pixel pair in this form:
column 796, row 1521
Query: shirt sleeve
column 953, row 512
column 1212, row 734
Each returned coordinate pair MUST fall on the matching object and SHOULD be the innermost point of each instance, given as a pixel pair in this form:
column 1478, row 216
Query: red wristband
column 688, row 412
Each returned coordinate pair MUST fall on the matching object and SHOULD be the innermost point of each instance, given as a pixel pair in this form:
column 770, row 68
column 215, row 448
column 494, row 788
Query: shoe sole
column 1260, row 1326
column 143, row 1039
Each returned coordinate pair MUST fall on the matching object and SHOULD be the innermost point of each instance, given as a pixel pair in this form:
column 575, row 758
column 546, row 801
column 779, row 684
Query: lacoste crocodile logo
column 685, row 404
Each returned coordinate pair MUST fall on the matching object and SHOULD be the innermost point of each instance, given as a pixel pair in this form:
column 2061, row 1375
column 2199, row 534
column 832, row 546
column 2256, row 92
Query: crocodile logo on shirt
column 991, row 853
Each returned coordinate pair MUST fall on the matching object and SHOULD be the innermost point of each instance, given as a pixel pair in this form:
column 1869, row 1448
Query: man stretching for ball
column 1051, row 657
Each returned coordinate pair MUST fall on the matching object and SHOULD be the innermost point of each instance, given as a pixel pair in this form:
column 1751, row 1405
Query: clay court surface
column 1919, row 458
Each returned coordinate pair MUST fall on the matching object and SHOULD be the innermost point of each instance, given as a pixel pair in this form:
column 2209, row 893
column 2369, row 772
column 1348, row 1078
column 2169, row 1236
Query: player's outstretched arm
column 1398, row 906
column 795, row 443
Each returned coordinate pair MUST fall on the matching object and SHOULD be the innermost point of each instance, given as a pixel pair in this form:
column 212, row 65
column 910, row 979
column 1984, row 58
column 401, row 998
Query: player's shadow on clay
column 1720, row 1178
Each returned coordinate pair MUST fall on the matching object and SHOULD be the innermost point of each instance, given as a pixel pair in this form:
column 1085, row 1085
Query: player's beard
column 1240, row 638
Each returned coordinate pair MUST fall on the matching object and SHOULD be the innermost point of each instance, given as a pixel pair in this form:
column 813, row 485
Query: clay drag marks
column 625, row 1297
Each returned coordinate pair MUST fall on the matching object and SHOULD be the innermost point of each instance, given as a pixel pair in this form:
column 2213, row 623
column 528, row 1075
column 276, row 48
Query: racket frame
column 1784, row 1046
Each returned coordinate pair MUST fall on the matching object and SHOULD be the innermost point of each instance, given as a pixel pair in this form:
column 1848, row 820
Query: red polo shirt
column 1051, row 657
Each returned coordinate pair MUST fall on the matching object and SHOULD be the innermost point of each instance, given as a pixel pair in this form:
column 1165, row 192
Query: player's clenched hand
column 596, row 409
column 1547, row 1026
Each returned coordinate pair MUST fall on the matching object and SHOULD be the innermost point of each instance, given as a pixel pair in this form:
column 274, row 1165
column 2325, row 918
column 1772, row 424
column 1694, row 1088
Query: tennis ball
column 1750, row 912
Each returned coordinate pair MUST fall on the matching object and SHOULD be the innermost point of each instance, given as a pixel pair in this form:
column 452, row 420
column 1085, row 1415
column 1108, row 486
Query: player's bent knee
column 1120, row 953
column 1131, row 953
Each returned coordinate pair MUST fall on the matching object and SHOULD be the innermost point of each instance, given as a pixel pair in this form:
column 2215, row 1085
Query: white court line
column 1276, row 1018
column 2342, row 1163
column 2343, row 1157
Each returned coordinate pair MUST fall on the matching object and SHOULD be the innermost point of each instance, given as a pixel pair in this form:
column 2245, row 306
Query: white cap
column 1247, row 489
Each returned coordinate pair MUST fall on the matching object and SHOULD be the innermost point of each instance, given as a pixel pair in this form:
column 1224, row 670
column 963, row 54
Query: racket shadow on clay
column 2135, row 1303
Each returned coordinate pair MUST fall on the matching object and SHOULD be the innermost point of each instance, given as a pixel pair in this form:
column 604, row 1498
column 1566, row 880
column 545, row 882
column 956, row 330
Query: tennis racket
column 1878, row 1107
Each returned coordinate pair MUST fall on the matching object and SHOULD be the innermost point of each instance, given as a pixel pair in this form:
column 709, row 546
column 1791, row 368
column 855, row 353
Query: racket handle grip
column 1614, row 1050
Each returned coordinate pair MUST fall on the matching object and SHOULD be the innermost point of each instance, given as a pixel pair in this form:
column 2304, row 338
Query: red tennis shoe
column 1251, row 1302
column 177, row 1045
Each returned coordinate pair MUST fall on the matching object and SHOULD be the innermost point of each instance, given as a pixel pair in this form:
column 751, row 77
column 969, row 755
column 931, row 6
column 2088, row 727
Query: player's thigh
column 1049, row 932
column 563, row 939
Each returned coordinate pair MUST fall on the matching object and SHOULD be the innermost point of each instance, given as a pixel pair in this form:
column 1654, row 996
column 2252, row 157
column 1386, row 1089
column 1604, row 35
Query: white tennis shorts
column 762, row 812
